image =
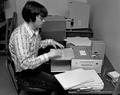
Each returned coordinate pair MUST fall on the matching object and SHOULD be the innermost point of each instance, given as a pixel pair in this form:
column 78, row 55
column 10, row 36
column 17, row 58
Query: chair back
column 11, row 25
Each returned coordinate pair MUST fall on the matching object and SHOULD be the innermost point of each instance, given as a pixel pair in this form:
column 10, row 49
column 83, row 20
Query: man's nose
column 43, row 20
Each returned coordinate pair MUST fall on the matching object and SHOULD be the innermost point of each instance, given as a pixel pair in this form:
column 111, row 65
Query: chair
column 10, row 25
column 3, row 42
column 21, row 84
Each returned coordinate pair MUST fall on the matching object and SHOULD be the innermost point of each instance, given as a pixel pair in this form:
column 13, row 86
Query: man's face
column 39, row 21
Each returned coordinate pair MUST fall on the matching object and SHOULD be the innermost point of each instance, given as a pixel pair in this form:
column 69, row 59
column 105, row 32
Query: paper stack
column 79, row 41
column 80, row 79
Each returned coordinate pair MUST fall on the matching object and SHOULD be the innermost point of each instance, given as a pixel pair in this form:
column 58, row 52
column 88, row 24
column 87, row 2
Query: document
column 97, row 84
column 80, row 79
column 70, row 79
column 67, row 54
column 79, row 41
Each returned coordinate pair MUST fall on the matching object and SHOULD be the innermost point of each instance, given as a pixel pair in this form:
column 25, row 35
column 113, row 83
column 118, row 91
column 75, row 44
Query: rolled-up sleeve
column 45, row 43
column 31, row 63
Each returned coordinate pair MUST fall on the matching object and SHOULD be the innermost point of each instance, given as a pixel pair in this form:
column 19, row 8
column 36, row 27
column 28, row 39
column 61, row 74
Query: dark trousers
column 43, row 80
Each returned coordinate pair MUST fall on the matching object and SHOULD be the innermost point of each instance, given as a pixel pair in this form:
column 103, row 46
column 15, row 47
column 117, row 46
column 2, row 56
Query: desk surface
column 108, row 86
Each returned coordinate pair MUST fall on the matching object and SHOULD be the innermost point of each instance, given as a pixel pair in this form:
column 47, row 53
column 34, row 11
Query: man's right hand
column 54, row 53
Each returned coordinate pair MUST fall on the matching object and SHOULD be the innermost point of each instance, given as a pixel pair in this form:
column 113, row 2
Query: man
column 24, row 44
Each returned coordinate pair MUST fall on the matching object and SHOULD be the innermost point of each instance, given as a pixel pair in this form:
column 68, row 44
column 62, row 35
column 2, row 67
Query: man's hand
column 55, row 44
column 54, row 53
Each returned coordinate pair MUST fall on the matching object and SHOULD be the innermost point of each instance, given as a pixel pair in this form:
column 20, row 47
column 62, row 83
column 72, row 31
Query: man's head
column 33, row 11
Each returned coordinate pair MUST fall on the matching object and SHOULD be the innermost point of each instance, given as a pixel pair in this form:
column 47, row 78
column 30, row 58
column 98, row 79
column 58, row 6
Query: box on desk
column 54, row 28
column 62, row 63
column 82, row 58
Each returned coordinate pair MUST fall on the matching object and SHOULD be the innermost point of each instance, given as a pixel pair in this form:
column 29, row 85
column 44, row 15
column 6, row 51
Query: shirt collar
column 29, row 30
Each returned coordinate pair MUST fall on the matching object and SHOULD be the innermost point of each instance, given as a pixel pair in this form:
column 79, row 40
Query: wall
column 55, row 7
column 10, row 7
column 106, row 26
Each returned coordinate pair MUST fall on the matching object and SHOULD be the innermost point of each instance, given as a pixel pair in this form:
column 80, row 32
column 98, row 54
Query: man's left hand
column 55, row 44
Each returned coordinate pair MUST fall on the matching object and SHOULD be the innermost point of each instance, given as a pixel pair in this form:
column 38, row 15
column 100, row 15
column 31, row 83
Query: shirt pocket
column 32, row 45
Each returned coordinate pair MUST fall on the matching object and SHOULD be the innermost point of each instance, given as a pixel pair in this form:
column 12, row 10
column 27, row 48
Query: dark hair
column 33, row 9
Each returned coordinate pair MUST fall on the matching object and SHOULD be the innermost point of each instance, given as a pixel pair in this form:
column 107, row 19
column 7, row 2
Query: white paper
column 97, row 84
column 79, row 41
column 73, row 78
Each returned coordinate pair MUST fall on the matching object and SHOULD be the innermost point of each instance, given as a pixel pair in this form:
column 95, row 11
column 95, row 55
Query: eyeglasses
column 41, row 18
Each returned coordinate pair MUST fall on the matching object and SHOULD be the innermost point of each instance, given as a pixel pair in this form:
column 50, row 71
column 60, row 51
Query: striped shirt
column 24, row 44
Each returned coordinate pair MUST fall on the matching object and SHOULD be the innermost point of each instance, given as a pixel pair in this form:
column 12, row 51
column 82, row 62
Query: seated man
column 24, row 44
